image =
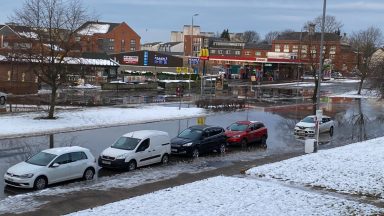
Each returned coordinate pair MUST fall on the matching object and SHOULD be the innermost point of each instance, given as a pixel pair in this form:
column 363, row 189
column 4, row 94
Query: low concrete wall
column 125, row 86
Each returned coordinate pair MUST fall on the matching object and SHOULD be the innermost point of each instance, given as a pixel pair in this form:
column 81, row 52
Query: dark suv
column 199, row 139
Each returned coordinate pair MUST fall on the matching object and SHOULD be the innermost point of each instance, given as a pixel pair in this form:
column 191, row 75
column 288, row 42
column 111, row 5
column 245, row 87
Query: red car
column 244, row 132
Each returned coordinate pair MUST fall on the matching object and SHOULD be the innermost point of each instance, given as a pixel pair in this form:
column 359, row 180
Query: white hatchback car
column 51, row 166
column 307, row 126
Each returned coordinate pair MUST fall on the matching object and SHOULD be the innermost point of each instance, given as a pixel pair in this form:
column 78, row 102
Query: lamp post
column 319, row 76
column 190, row 60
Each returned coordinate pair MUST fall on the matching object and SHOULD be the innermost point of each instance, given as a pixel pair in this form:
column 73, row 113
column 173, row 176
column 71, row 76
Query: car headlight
column 29, row 175
column 188, row 144
column 121, row 156
column 236, row 136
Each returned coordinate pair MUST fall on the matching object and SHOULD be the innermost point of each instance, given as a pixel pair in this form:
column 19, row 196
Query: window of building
column 332, row 50
column 77, row 39
column 304, row 55
column 212, row 51
column 133, row 49
column 247, row 53
column 220, row 51
column 228, row 52
column 313, row 49
column 304, row 49
column 111, row 39
column 286, row 47
column 295, row 48
column 257, row 53
column 332, row 56
column 111, row 48
column 277, row 47
column 133, row 42
column 237, row 52
column 122, row 45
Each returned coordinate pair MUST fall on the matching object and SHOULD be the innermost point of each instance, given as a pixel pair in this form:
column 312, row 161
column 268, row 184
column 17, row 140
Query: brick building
column 306, row 47
column 107, row 37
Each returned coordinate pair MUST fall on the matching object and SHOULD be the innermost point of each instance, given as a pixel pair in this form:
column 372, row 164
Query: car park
column 245, row 132
column 199, row 139
column 52, row 166
column 307, row 126
column 136, row 149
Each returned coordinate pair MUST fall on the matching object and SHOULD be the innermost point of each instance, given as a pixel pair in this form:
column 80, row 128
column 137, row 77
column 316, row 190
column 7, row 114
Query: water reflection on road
column 279, row 121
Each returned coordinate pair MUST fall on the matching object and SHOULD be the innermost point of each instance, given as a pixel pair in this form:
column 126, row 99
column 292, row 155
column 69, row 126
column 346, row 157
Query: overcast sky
column 153, row 20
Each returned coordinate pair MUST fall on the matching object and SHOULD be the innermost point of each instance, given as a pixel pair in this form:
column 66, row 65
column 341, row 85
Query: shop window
column 295, row 48
column 237, row 52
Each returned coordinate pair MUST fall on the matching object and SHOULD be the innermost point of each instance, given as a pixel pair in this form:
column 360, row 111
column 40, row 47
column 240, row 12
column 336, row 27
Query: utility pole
column 318, row 112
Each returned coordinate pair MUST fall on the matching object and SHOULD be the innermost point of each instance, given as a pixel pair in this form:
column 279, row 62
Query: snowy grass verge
column 353, row 169
column 232, row 196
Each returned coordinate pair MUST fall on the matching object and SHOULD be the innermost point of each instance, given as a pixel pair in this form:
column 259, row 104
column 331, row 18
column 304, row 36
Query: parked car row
column 131, row 150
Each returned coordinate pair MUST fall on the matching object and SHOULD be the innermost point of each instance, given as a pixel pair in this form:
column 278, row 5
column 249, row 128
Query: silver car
column 307, row 126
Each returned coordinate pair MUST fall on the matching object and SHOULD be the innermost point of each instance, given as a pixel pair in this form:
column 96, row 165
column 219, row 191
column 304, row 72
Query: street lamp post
column 319, row 74
column 190, row 60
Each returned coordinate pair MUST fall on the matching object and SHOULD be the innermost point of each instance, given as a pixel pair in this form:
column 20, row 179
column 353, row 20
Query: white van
column 135, row 149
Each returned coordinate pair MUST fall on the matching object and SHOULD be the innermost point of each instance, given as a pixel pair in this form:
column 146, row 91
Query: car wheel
column 89, row 173
column 222, row 148
column 132, row 165
column 264, row 141
column 244, row 143
column 195, row 153
column 331, row 131
column 40, row 183
column 165, row 159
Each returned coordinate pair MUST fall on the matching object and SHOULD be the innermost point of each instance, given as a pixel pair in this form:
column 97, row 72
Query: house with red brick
column 110, row 38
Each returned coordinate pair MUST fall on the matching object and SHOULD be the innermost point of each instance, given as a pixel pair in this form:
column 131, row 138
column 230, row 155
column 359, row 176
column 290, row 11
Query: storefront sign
column 145, row 58
column 161, row 60
column 281, row 55
column 261, row 59
column 131, row 59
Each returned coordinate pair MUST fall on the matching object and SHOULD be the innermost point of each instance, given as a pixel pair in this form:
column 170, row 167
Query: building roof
column 170, row 44
column 96, row 27
column 151, row 44
column 259, row 46
column 305, row 36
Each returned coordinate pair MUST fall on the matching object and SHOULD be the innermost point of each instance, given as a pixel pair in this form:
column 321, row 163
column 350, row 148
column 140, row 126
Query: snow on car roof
column 143, row 134
column 62, row 150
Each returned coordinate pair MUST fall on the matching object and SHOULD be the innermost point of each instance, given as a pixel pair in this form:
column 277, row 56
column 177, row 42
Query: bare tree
column 51, row 28
column 331, row 24
column 251, row 36
column 376, row 80
column 270, row 36
column 366, row 43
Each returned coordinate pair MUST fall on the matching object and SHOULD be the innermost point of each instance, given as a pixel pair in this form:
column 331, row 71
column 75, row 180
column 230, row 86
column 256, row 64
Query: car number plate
column 106, row 162
column 174, row 150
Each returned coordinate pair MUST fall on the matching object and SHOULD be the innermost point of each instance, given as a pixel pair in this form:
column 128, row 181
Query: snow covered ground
column 353, row 169
column 353, row 94
column 28, row 124
column 232, row 196
column 282, row 188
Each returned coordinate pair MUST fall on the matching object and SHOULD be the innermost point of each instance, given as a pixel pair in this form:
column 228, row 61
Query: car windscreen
column 238, row 127
column 41, row 159
column 126, row 143
column 308, row 120
column 192, row 134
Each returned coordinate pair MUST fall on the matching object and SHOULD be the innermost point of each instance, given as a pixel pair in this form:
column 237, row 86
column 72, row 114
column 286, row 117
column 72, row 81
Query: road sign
column 201, row 120
column 319, row 115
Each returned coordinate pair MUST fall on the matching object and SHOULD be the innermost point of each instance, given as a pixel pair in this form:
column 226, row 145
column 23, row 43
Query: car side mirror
column 54, row 165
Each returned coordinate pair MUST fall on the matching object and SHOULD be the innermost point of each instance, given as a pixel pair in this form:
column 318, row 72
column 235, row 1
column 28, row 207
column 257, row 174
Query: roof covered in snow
column 91, row 28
